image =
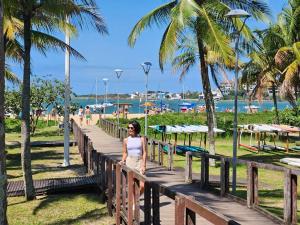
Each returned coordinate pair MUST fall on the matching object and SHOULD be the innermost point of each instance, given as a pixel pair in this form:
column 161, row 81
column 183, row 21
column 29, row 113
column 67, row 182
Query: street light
column 146, row 67
column 118, row 73
column 234, row 15
column 105, row 80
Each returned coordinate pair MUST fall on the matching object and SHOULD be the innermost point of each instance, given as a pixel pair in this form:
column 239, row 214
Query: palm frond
column 43, row 42
column 158, row 16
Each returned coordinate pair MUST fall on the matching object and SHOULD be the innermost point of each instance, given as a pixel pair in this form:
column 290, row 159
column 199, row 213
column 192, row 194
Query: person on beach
column 80, row 115
column 88, row 115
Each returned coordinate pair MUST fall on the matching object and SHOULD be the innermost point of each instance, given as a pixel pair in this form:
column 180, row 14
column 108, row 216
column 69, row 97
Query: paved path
column 112, row 147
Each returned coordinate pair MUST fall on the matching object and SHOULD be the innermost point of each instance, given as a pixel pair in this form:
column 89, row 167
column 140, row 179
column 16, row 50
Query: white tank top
column 134, row 146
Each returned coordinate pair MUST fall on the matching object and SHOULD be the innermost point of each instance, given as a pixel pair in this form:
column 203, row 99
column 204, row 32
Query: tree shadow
column 96, row 214
column 14, row 159
column 51, row 199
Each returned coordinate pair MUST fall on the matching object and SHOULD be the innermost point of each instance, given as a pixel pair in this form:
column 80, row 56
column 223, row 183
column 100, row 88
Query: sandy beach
column 96, row 117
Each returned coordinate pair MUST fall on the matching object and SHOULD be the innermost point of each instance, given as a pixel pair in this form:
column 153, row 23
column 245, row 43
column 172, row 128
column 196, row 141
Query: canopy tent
column 168, row 129
column 261, row 131
column 186, row 130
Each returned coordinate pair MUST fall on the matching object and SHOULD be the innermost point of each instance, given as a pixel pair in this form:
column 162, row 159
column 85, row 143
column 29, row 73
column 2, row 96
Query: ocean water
column 221, row 106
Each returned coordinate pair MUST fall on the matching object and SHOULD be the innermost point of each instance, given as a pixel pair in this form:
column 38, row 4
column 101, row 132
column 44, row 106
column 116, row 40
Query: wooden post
column 124, row 187
column 179, row 210
column 204, row 171
column 224, row 180
column 137, row 201
column 153, row 150
column 188, row 167
column 170, row 157
column 118, row 194
column 252, row 186
column 155, row 203
column 147, row 203
column 290, row 197
column 103, row 183
column 159, row 153
column 190, row 217
column 109, row 187
column 130, row 197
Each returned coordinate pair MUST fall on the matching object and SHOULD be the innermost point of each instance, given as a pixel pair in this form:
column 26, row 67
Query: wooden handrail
column 121, row 185
column 290, row 175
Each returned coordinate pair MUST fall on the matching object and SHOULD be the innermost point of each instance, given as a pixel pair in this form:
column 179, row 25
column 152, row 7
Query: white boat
column 251, row 107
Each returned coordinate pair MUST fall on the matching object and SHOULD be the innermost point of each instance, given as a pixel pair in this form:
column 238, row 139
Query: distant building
column 217, row 95
column 226, row 87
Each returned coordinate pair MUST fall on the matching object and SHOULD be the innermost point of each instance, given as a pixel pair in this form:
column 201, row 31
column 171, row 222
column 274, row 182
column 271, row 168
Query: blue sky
column 106, row 53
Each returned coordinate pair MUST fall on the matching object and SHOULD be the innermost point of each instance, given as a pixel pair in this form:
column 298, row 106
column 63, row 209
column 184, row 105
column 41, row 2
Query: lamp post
column 105, row 80
column 146, row 67
column 234, row 15
column 118, row 73
column 66, row 162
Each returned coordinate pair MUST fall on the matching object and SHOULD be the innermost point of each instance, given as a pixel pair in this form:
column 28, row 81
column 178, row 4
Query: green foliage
column 12, row 125
column 290, row 117
column 12, row 102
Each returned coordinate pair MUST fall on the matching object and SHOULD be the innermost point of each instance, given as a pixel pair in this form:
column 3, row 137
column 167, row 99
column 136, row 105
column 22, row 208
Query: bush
column 12, row 125
column 289, row 117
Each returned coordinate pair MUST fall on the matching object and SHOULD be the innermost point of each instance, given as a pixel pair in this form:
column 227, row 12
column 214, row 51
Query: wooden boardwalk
column 175, row 180
column 55, row 185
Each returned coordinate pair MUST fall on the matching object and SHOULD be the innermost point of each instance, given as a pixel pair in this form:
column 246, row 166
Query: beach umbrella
column 148, row 104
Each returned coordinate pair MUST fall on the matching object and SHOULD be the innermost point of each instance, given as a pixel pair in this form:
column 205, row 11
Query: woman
column 134, row 149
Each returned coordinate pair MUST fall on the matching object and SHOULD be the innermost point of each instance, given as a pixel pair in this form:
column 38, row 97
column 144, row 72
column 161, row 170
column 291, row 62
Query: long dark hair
column 136, row 125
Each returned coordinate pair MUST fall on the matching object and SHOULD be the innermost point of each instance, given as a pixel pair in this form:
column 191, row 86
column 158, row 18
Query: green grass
column 63, row 209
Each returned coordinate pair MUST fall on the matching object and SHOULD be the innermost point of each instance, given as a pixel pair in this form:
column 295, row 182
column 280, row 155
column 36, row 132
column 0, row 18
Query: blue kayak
column 182, row 149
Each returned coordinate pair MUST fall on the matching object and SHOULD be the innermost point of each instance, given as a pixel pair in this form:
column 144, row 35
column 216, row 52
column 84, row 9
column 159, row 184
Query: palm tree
column 261, row 70
column 206, row 21
column 288, row 56
column 188, row 58
column 3, row 177
column 46, row 15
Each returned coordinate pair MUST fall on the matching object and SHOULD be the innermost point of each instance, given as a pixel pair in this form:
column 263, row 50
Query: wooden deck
column 175, row 180
column 55, row 185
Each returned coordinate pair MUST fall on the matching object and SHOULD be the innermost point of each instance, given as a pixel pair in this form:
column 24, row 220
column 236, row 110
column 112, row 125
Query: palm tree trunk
column 3, row 176
column 25, row 147
column 275, row 103
column 208, row 97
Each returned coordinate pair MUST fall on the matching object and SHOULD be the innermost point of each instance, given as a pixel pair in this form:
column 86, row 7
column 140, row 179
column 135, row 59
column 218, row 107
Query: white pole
column 96, row 91
column 146, row 106
column 67, row 101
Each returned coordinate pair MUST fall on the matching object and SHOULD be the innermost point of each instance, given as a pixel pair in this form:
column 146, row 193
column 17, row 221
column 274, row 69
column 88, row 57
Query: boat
column 98, row 106
column 187, row 106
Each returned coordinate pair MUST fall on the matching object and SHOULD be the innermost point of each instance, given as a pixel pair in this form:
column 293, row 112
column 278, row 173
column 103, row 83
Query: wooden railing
column 289, row 188
column 122, row 188
column 290, row 175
